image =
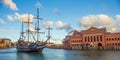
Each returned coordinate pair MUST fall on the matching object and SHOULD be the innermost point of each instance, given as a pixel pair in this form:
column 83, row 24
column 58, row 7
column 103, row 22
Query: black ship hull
column 32, row 47
column 29, row 50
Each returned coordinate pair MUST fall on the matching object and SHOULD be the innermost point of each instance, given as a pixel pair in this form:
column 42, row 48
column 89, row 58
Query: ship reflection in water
column 60, row 54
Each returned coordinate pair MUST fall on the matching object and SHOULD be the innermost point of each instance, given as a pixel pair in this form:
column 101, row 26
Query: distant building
column 92, row 37
column 49, row 44
column 53, row 45
column 5, row 43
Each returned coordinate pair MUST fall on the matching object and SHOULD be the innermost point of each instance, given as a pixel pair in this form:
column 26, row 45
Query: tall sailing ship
column 24, row 43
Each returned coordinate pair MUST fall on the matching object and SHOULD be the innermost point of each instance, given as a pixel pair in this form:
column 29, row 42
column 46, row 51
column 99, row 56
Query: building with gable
column 5, row 43
column 94, row 38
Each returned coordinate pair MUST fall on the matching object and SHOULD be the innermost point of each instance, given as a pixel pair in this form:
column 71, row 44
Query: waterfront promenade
column 60, row 54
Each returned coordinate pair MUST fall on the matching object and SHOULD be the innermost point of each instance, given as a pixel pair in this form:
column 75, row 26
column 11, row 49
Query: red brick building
column 92, row 37
column 5, row 43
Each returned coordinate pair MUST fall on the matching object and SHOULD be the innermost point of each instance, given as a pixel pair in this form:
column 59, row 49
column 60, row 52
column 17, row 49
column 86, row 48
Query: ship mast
column 38, row 24
column 49, row 29
column 22, row 30
column 37, row 28
column 21, row 36
column 28, row 26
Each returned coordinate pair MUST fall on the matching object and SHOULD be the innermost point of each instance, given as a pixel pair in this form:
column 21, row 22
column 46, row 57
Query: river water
column 60, row 54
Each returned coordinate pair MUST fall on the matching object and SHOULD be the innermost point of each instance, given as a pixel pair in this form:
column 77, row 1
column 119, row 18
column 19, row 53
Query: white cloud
column 10, row 18
column 48, row 23
column 25, row 17
column 114, row 29
column 61, row 25
column 32, row 27
column 100, row 20
column 97, row 20
column 57, row 11
column 11, row 4
column 13, row 17
column 2, row 21
column 118, row 18
column 38, row 5
column 17, row 14
column 22, row 17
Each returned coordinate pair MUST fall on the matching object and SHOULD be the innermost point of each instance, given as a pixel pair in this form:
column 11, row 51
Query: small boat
column 37, row 45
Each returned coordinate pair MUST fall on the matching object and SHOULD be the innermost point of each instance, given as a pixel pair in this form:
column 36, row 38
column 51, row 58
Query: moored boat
column 28, row 46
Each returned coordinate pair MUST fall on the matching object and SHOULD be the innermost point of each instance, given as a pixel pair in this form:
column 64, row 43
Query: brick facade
column 95, row 37
column 5, row 43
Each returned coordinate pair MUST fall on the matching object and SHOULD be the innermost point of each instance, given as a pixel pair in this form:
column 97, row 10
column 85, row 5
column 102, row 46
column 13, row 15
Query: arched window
column 109, row 38
column 91, row 38
column 100, row 37
column 97, row 38
column 119, row 44
column 85, row 39
column 106, row 38
column 118, row 38
column 115, row 44
column 112, row 39
column 88, row 39
column 94, row 39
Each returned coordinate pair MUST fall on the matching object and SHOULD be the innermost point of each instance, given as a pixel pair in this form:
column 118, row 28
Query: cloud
column 25, row 17
column 100, row 20
column 10, row 18
column 117, row 18
column 54, row 38
column 38, row 5
column 57, row 11
column 97, row 20
column 32, row 27
column 10, row 4
column 2, row 21
column 48, row 23
column 22, row 17
column 61, row 25
column 13, row 17
column 1, row 29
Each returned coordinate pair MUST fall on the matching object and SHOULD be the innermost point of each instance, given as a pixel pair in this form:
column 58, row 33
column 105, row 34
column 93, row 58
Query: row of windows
column 113, row 39
column 76, row 45
column 113, row 44
column 93, row 38
column 76, row 41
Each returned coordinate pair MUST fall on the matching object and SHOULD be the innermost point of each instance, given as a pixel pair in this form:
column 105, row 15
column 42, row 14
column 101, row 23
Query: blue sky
column 65, row 15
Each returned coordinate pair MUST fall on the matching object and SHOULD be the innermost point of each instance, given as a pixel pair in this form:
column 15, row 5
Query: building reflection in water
column 91, row 55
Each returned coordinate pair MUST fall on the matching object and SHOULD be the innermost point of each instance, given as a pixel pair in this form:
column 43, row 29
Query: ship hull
column 33, row 47
column 29, row 50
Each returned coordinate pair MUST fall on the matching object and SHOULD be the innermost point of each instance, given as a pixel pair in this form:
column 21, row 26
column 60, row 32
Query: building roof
column 94, row 29
column 5, row 39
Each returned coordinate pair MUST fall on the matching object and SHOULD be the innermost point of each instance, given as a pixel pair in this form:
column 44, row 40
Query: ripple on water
column 60, row 54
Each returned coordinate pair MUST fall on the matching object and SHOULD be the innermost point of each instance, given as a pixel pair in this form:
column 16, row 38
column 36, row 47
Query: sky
column 62, row 15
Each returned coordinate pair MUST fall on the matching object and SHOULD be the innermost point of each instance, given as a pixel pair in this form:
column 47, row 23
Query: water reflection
column 30, row 56
column 92, row 55
column 7, row 54
column 60, row 54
